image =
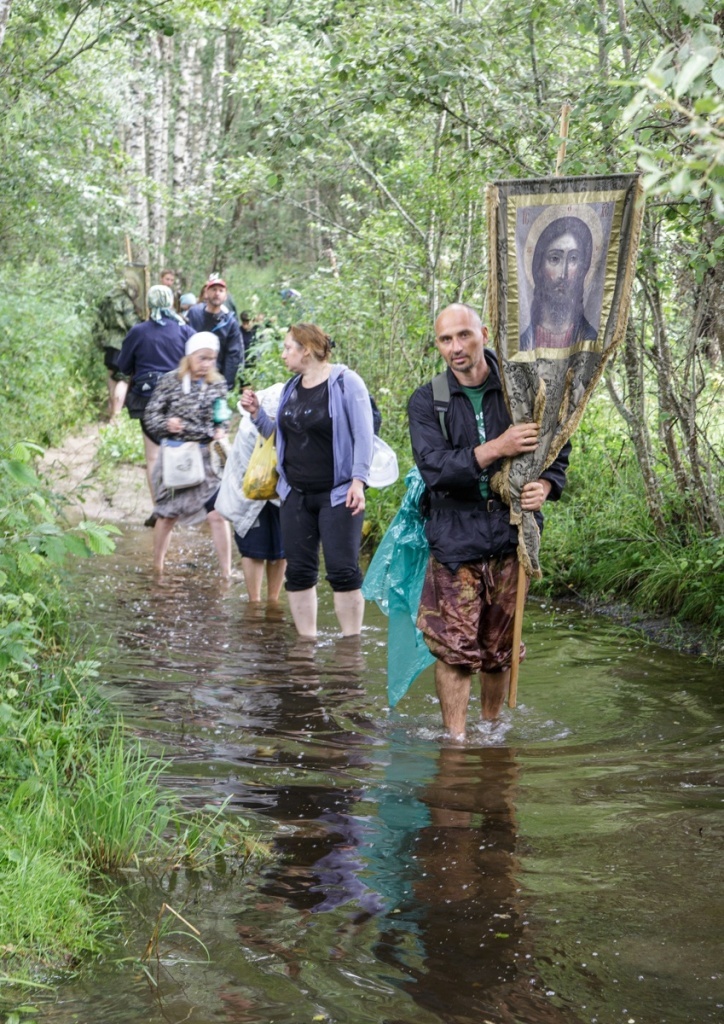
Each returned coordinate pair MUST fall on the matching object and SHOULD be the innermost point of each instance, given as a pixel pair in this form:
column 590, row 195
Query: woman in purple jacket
column 324, row 438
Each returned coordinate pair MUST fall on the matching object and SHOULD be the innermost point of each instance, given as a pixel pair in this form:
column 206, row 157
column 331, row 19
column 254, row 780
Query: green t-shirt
column 475, row 397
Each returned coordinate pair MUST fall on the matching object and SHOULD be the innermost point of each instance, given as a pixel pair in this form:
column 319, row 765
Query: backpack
column 441, row 399
column 376, row 414
column 112, row 320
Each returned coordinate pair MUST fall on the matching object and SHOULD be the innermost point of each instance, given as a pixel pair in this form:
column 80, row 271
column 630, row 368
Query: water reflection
column 460, row 933
column 561, row 868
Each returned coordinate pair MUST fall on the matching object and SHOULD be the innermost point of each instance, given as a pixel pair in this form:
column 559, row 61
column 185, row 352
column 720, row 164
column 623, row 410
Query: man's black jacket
column 451, row 472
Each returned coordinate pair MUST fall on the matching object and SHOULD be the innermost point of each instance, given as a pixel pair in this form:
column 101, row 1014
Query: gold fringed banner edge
column 492, row 202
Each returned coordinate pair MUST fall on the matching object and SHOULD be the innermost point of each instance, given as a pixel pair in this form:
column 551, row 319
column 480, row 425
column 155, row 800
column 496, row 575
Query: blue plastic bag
column 394, row 580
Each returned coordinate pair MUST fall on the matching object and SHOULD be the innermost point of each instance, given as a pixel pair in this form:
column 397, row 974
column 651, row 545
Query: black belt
column 490, row 505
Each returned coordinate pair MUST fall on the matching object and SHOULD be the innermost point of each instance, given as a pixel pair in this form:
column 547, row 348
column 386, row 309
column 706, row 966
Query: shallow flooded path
column 564, row 866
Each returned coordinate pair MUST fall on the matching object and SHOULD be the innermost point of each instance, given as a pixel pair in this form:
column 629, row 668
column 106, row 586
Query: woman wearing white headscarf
column 149, row 350
column 182, row 408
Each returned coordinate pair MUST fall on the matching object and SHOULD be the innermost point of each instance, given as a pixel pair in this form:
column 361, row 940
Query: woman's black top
column 308, row 452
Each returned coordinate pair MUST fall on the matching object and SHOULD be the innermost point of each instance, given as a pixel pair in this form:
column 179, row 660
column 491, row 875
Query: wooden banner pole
column 563, row 134
column 520, row 594
column 517, row 636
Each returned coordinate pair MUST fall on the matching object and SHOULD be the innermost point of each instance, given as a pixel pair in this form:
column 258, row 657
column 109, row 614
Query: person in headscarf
column 151, row 349
column 184, row 407
column 186, row 301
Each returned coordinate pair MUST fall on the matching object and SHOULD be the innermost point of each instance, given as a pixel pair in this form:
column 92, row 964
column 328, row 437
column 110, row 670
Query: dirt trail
column 118, row 496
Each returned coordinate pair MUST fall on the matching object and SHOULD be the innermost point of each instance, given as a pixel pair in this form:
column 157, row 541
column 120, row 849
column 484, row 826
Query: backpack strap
column 441, row 399
column 376, row 414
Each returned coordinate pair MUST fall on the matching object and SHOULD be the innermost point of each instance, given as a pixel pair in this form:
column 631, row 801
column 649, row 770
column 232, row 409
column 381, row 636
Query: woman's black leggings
column 307, row 519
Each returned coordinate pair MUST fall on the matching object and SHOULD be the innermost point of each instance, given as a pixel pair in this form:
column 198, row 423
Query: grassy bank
column 599, row 543
column 79, row 798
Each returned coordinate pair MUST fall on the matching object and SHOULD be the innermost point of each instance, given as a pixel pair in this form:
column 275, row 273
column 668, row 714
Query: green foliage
column 209, row 837
column 119, row 442
column 51, row 380
column 34, row 545
column 119, row 813
column 598, row 542
column 76, row 796
column 684, row 89
column 46, row 911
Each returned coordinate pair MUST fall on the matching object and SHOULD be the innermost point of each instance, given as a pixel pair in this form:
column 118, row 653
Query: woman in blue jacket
column 324, row 438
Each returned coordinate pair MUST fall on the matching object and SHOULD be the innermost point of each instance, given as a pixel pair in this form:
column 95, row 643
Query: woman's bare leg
column 275, row 578
column 253, row 569
column 349, row 607
column 303, row 606
column 161, row 538
column 221, row 536
column 119, row 390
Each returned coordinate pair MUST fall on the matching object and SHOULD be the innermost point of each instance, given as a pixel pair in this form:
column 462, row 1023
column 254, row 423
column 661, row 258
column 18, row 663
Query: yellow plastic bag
column 260, row 479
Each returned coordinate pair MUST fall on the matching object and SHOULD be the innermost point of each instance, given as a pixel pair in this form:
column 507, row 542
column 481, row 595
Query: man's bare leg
column 453, row 690
column 118, row 397
column 493, row 691
column 151, row 449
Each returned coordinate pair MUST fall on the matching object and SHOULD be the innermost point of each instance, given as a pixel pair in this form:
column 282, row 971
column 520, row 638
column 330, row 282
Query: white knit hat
column 203, row 339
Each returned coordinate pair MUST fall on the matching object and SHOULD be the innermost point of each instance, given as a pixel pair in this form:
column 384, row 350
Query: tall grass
column 78, row 797
column 48, row 914
column 599, row 541
column 119, row 812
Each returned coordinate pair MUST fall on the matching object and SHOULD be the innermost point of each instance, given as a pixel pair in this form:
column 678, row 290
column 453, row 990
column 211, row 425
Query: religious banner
column 562, row 262
column 136, row 277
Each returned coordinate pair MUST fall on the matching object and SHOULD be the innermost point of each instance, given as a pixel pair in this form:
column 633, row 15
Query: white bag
column 183, row 464
column 384, row 470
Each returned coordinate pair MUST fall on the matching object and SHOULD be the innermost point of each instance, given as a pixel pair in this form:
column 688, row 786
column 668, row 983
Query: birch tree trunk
column 4, row 14
column 633, row 412
column 623, row 26
column 539, row 85
column 670, row 409
column 602, row 34
column 197, row 127
column 138, row 199
column 158, row 140
column 466, row 242
column 431, row 246
column 213, row 118
column 181, row 138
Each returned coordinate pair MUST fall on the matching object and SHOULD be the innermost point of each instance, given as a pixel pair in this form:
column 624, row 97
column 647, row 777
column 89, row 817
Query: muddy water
column 562, row 867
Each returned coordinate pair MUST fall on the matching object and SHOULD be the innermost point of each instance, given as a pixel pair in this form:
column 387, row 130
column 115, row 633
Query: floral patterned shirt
column 196, row 409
